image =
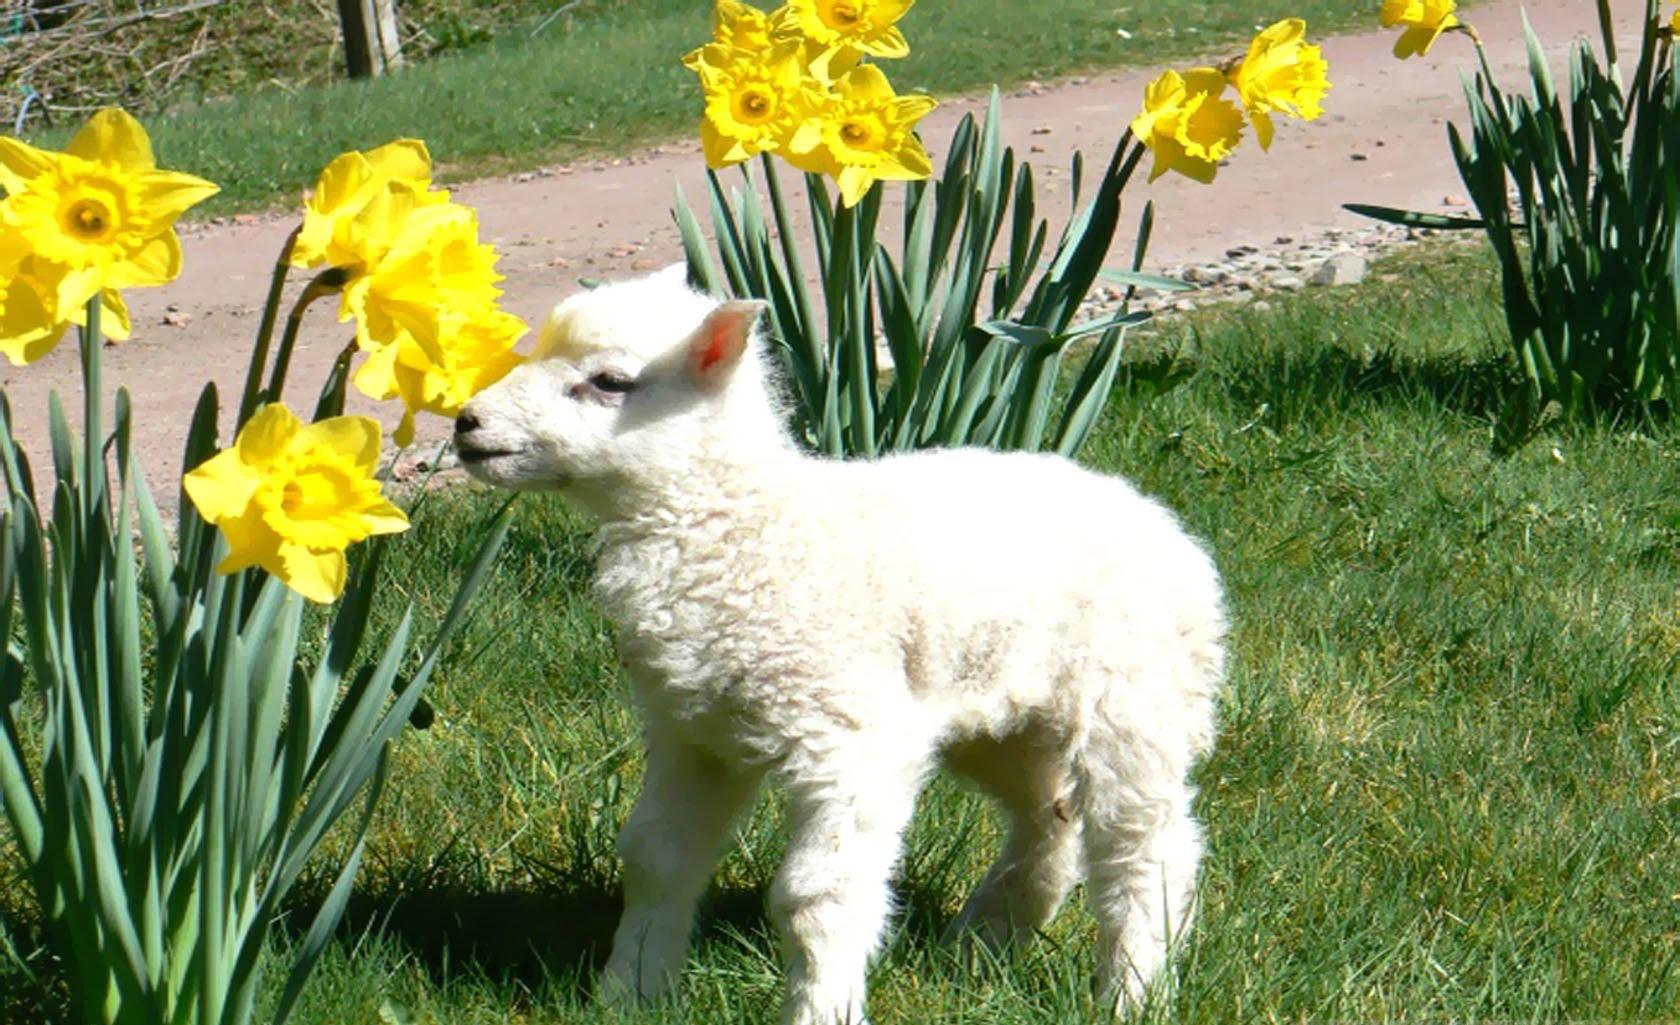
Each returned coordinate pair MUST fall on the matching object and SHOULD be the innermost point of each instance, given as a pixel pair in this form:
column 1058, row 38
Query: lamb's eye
column 612, row 382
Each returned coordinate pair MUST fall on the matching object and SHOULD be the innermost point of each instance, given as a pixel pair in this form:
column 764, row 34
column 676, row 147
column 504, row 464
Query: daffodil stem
column 327, row 282
column 331, row 401
column 790, row 251
column 265, row 330
column 93, row 428
column 1125, row 160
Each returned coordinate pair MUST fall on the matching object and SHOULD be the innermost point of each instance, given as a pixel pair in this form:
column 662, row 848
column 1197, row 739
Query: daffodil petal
column 1205, row 80
column 719, row 149
column 854, row 181
column 866, row 83
column 890, row 44
column 114, row 322
column 317, row 575
column 375, row 377
column 402, row 160
column 355, row 436
column 385, row 520
column 250, row 543
column 913, row 108
column 112, row 135
column 221, row 487
column 168, row 194
column 20, row 162
column 75, row 287
column 155, row 263
column 28, row 330
column 267, row 434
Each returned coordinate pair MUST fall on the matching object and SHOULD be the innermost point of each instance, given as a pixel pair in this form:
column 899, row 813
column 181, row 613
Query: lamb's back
column 1018, row 570
column 991, row 528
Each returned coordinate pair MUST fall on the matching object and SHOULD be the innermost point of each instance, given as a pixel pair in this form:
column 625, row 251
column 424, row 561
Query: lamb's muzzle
column 847, row 626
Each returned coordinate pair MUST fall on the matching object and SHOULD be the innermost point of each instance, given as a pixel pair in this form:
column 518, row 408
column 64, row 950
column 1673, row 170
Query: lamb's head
column 630, row 384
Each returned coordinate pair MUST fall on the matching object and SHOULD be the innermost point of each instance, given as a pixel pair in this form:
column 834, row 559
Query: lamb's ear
column 716, row 346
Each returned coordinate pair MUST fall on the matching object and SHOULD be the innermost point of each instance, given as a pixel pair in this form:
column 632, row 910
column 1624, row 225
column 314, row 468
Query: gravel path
column 1271, row 221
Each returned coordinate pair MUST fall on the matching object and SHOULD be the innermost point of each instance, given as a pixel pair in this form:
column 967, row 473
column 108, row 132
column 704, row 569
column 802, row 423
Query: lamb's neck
column 733, row 486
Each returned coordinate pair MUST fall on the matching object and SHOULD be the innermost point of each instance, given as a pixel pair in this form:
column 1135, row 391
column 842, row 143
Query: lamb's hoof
column 615, row 991
column 976, row 938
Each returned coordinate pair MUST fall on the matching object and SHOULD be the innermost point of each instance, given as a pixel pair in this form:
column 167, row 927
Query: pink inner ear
column 717, row 347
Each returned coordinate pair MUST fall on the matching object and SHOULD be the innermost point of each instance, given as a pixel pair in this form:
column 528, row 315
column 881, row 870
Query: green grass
column 1446, row 786
column 612, row 80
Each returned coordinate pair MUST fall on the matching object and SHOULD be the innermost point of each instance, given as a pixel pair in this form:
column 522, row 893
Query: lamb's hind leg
column 669, row 844
column 1040, row 859
column 1141, row 852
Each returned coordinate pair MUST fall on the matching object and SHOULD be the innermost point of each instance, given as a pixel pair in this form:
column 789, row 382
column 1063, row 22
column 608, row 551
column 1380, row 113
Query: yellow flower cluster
column 1424, row 21
column 291, row 497
column 791, row 82
column 1190, row 126
column 420, row 286
column 1674, row 23
column 88, row 222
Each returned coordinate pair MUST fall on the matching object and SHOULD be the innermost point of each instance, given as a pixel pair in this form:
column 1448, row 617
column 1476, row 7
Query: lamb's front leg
column 831, row 896
column 669, row 844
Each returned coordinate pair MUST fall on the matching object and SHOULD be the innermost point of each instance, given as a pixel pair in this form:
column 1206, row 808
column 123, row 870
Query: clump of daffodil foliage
column 1590, row 255
column 191, row 757
column 976, row 343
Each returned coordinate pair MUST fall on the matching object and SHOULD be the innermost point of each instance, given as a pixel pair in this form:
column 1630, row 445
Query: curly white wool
column 1042, row 630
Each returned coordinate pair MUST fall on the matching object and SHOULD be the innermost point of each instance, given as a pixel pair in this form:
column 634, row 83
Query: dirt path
column 1382, row 140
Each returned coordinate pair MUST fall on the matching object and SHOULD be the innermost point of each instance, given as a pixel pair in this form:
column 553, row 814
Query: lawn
column 610, row 79
column 1447, row 781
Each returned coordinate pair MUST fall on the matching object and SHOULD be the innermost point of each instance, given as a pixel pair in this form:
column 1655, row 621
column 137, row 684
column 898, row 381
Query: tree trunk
column 370, row 36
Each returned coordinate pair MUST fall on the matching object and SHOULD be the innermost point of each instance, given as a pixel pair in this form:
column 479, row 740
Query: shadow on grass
column 1306, row 385
column 561, row 937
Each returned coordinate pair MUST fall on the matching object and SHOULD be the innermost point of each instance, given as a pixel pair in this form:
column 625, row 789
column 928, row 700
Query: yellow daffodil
column 28, row 328
column 866, row 25
column 474, row 351
column 291, row 497
column 435, row 263
column 864, row 134
column 735, row 26
column 1674, row 23
column 754, row 101
column 93, row 219
column 31, row 324
column 1280, row 73
column 1424, row 21
column 360, row 202
column 1188, row 125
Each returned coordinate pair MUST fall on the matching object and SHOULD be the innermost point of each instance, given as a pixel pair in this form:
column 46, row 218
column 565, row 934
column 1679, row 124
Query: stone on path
column 1341, row 269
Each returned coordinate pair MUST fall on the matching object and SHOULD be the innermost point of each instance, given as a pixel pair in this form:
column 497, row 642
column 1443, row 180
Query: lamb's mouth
column 472, row 454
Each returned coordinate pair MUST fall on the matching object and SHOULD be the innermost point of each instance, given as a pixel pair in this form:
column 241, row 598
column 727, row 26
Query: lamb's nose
column 466, row 423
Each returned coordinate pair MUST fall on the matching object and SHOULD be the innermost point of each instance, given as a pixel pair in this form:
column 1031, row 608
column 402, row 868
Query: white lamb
column 1042, row 630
